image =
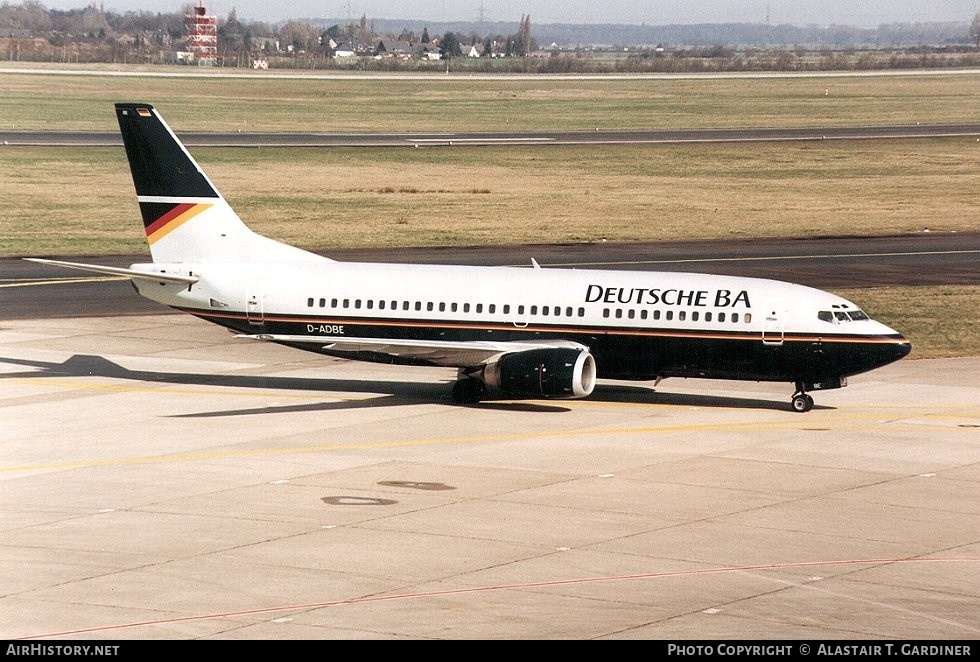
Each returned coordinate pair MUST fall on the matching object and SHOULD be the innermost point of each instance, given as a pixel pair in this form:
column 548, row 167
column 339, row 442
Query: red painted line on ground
column 501, row 587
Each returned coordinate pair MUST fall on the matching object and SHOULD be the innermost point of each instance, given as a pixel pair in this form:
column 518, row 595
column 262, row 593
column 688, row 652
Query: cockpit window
column 841, row 316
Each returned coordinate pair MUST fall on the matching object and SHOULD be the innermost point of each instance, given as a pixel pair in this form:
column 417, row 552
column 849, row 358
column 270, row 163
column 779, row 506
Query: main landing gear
column 801, row 402
column 468, row 391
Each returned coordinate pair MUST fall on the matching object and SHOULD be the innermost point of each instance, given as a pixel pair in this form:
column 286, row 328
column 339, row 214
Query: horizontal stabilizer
column 154, row 276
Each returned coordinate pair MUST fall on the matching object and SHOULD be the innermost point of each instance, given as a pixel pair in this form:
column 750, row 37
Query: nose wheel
column 801, row 402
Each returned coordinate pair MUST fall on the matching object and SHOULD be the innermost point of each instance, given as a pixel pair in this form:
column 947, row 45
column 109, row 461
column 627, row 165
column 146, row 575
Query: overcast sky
column 865, row 13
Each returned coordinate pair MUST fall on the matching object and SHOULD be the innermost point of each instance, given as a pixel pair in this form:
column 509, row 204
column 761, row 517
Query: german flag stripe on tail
column 160, row 219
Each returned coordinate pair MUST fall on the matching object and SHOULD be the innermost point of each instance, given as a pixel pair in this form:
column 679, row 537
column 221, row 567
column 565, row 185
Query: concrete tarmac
column 161, row 479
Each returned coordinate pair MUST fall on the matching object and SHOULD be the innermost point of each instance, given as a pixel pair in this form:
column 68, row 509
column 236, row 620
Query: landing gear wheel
column 468, row 391
column 802, row 403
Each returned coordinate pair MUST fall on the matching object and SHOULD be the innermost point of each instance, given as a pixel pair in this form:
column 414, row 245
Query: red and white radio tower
column 202, row 36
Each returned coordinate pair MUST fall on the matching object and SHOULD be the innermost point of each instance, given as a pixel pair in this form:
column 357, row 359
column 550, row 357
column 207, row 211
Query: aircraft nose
column 895, row 350
column 896, row 347
column 881, row 354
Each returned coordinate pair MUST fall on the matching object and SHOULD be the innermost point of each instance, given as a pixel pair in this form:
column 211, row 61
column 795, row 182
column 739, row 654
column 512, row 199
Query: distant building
column 267, row 44
column 400, row 49
column 202, row 36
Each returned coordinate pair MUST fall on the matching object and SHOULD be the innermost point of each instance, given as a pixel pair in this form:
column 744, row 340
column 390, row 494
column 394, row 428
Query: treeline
column 31, row 32
column 761, row 35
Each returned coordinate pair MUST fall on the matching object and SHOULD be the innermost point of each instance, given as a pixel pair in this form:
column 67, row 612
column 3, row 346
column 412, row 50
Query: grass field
column 290, row 102
column 74, row 201
column 81, row 200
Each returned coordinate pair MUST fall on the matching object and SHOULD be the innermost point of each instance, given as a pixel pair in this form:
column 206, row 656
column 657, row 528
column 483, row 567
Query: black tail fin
column 161, row 166
column 185, row 218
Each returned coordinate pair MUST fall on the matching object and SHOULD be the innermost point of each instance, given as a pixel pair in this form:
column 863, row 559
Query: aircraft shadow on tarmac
column 388, row 393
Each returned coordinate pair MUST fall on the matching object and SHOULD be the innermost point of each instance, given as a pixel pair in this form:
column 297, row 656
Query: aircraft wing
column 443, row 353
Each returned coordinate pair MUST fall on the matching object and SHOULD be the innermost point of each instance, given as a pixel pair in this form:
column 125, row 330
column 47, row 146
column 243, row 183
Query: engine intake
column 549, row 373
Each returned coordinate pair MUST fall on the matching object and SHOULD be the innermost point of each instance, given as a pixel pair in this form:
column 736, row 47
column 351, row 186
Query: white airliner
column 511, row 332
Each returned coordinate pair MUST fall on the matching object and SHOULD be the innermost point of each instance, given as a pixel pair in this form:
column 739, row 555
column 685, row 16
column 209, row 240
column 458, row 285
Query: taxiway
column 164, row 480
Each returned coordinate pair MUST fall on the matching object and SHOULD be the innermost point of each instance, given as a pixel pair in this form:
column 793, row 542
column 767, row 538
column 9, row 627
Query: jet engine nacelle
column 549, row 373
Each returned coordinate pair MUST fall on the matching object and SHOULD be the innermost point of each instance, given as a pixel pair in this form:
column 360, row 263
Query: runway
column 163, row 480
column 445, row 139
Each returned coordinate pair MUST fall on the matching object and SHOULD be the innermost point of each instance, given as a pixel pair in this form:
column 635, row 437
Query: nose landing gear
column 801, row 402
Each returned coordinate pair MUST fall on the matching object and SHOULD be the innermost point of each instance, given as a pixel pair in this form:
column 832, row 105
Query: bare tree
column 524, row 36
column 975, row 30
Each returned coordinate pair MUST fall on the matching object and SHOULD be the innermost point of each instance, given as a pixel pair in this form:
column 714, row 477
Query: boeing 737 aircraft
column 511, row 332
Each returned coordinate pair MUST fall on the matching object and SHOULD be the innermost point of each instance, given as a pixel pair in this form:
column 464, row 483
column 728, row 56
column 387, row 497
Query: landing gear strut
column 801, row 402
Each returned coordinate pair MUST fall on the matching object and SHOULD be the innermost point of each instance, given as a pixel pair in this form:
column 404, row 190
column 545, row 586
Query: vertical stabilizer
column 185, row 218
